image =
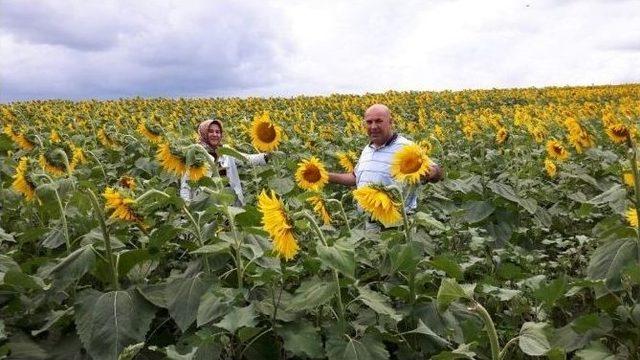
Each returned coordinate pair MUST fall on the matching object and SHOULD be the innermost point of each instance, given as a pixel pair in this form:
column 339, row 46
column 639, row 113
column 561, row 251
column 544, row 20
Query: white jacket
column 230, row 165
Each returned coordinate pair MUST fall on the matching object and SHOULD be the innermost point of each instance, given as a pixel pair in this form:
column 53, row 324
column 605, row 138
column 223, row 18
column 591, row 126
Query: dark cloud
column 161, row 50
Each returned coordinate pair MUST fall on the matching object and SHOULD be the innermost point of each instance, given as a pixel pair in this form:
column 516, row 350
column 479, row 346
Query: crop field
column 529, row 247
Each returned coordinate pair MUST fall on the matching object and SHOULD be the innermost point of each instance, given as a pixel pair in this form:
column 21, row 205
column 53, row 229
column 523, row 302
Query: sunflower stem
column 344, row 214
column 63, row 218
column 636, row 183
column 104, row 174
column 238, row 248
column 149, row 193
column 198, row 233
column 489, row 328
column 318, row 231
column 405, row 217
column 107, row 240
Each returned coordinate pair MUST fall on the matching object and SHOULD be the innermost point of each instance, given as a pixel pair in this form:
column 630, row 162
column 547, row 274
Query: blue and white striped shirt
column 374, row 167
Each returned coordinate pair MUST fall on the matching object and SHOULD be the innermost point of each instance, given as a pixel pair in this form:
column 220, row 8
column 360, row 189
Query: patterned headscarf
column 203, row 129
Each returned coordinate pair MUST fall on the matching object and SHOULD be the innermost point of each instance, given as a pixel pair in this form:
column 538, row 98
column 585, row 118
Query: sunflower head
column 319, row 206
column 632, row 217
column 22, row 182
column 265, row 135
column 618, row 133
column 150, row 131
column 127, row 182
column 278, row 225
column 556, row 150
column 121, row 206
column 501, row 135
column 171, row 159
column 550, row 167
column 380, row 204
column 346, row 160
column 628, row 179
column 409, row 164
column 311, row 174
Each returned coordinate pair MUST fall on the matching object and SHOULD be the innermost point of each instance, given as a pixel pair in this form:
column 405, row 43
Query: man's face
column 379, row 126
column 214, row 135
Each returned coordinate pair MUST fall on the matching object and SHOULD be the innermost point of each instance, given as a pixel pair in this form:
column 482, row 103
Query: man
column 374, row 165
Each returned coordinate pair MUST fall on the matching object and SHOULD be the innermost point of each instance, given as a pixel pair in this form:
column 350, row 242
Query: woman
column 210, row 133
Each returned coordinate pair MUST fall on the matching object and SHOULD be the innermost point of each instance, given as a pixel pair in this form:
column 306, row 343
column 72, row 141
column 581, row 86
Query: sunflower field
column 529, row 247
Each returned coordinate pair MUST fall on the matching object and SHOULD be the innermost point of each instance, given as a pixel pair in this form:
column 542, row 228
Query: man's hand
column 435, row 174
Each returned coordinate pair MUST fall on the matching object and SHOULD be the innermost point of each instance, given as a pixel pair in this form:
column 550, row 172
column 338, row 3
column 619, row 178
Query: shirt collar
column 391, row 140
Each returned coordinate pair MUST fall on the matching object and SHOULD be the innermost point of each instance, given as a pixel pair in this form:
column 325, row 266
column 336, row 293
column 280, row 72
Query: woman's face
column 214, row 135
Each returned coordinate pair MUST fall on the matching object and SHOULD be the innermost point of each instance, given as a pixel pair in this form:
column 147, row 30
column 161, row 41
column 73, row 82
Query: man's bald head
column 379, row 124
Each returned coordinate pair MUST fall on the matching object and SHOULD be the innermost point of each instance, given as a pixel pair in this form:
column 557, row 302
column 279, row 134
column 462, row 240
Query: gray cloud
column 270, row 48
column 162, row 49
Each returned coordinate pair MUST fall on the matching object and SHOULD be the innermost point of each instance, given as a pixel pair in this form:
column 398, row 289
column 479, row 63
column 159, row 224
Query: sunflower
column 618, row 133
column 556, row 150
column 345, row 159
column 50, row 166
column 632, row 217
column 121, row 205
column 18, row 138
column 627, row 177
column 409, row 164
column 105, row 139
column 276, row 223
column 77, row 157
column 311, row 174
column 150, row 133
column 127, row 182
column 54, row 136
column 501, row 135
column 170, row 162
column 21, row 182
column 550, row 167
column 197, row 172
column 319, row 207
column 265, row 136
column 379, row 204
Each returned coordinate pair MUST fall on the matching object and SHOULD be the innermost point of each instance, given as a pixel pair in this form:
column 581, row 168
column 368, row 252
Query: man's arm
column 348, row 179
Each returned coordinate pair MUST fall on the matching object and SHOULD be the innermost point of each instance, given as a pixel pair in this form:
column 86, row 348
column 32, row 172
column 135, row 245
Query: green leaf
column 216, row 248
column 238, row 318
column 53, row 239
column 109, row 322
column 500, row 293
column 404, row 257
column 4, row 236
column 131, row 351
column 451, row 291
column 551, row 292
column 52, row 318
column 312, row 293
column 162, row 234
column 507, row 192
column 302, row 339
column 340, row 257
column 378, row 303
column 609, row 260
column 428, row 222
column 462, row 352
column 226, row 150
column 212, row 306
column 476, row 211
column 22, row 347
column 348, row 348
column 74, row 266
column 281, row 186
column 183, row 299
column 21, row 280
column 613, row 194
column 425, row 330
column 448, row 265
column 130, row 258
column 595, row 351
column 533, row 340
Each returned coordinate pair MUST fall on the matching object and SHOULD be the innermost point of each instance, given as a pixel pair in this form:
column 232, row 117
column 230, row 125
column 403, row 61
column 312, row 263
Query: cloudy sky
column 187, row 48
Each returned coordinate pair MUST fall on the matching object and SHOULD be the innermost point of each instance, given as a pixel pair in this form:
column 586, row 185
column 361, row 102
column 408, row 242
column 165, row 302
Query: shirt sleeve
column 185, row 189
